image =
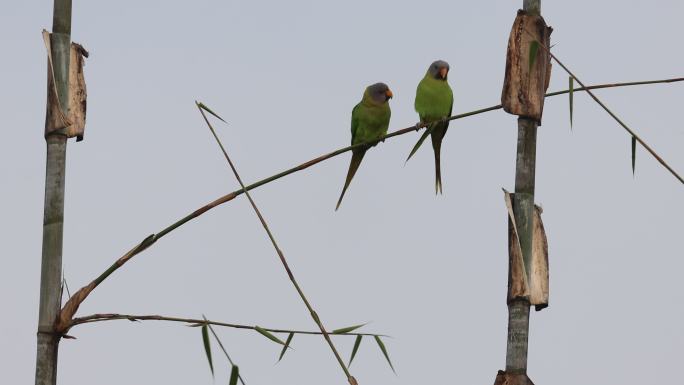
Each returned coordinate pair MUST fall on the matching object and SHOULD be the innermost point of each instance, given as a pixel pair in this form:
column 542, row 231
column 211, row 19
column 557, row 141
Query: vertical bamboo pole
column 523, row 206
column 53, row 214
column 523, row 210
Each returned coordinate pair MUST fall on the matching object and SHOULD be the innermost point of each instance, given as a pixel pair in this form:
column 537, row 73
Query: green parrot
column 370, row 120
column 434, row 100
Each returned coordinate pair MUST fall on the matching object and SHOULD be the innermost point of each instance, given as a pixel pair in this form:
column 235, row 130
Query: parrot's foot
column 418, row 125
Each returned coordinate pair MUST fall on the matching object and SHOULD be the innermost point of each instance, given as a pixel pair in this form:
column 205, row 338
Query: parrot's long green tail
column 357, row 157
column 437, row 136
column 438, row 173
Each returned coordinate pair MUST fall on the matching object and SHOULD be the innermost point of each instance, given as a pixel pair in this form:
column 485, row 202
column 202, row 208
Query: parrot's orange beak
column 443, row 72
column 389, row 94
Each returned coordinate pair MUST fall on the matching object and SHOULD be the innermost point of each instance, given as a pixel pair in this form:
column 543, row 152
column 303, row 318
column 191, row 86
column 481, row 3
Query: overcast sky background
column 430, row 271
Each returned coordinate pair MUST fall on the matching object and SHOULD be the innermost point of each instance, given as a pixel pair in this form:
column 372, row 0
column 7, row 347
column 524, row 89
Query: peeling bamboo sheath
column 53, row 219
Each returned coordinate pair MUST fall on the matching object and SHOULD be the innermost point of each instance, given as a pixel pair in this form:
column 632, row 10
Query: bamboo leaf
column 347, row 329
column 633, row 154
column 534, row 47
column 268, row 335
column 384, row 352
column 205, row 108
column 234, row 374
column 571, row 80
column 287, row 345
column 207, row 347
column 355, row 349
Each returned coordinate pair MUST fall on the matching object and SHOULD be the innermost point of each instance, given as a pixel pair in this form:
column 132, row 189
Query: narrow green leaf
column 347, row 329
column 234, row 374
column 571, row 80
column 633, row 153
column 205, row 108
column 268, row 335
column 534, row 47
column 384, row 352
column 287, row 345
column 207, row 347
column 355, row 349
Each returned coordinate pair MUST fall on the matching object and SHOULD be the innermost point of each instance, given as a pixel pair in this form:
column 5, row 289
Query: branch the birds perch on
column 71, row 307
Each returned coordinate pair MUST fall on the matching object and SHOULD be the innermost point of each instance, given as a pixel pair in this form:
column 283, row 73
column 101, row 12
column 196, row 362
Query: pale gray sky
column 430, row 271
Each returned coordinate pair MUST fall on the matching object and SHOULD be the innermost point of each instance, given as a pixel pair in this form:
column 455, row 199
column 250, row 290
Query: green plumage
column 370, row 121
column 434, row 101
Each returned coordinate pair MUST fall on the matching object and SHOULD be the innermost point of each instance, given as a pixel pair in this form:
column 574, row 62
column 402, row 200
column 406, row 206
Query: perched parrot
column 370, row 120
column 434, row 101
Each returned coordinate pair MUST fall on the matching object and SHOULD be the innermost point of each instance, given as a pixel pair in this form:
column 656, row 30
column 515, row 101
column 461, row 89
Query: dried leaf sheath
column 528, row 68
column 534, row 288
column 72, row 125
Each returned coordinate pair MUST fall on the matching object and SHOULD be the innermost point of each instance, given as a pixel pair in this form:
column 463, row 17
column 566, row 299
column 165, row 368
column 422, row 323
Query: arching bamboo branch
column 70, row 308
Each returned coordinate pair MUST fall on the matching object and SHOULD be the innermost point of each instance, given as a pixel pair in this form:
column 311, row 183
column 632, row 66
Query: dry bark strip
column 72, row 125
column 536, row 287
column 524, row 86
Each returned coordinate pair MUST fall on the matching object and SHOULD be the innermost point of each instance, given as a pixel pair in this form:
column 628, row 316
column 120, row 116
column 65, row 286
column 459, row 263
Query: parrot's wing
column 446, row 124
column 354, row 123
column 451, row 105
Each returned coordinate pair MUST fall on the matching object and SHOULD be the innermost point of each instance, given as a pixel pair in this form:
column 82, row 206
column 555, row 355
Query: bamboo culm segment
column 523, row 210
column 47, row 346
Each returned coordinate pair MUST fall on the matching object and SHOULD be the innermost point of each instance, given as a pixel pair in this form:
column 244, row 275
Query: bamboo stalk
column 523, row 212
column 70, row 308
column 196, row 322
column 281, row 255
column 53, row 213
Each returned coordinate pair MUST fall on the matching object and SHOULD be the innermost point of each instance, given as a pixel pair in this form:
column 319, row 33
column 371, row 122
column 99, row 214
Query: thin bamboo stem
column 196, row 322
column 611, row 85
column 617, row 119
column 47, row 346
column 523, row 211
column 70, row 308
column 281, row 255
